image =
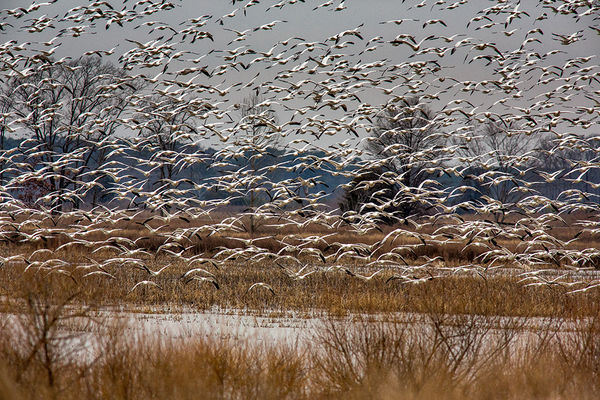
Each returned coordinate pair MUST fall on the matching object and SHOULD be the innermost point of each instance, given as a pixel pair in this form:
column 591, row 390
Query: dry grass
column 453, row 339
column 198, row 234
column 333, row 292
column 418, row 357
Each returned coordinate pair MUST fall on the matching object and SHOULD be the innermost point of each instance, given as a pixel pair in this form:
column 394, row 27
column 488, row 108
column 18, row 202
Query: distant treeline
column 196, row 171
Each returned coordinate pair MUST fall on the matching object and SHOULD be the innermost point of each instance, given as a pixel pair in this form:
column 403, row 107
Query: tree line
column 69, row 155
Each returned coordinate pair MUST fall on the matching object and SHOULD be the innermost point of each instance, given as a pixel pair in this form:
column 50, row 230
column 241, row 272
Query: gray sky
column 316, row 26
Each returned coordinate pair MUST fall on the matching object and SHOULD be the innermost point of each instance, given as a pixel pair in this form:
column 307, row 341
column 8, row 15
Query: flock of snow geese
column 455, row 126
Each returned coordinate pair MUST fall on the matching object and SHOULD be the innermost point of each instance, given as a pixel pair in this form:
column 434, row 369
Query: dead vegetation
column 328, row 289
column 418, row 356
column 474, row 335
column 216, row 270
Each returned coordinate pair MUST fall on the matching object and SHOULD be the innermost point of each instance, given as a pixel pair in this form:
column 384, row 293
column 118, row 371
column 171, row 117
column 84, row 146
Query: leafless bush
column 49, row 335
column 423, row 354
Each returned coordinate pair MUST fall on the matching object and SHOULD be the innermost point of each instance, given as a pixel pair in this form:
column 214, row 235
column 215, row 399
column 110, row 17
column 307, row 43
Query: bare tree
column 46, row 342
column 256, row 124
column 65, row 112
column 256, row 140
column 166, row 127
column 563, row 167
column 500, row 154
column 6, row 104
column 404, row 140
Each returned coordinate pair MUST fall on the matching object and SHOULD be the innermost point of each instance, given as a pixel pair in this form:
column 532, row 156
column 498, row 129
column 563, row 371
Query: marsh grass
column 455, row 336
column 418, row 356
column 198, row 234
column 329, row 291
column 332, row 291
